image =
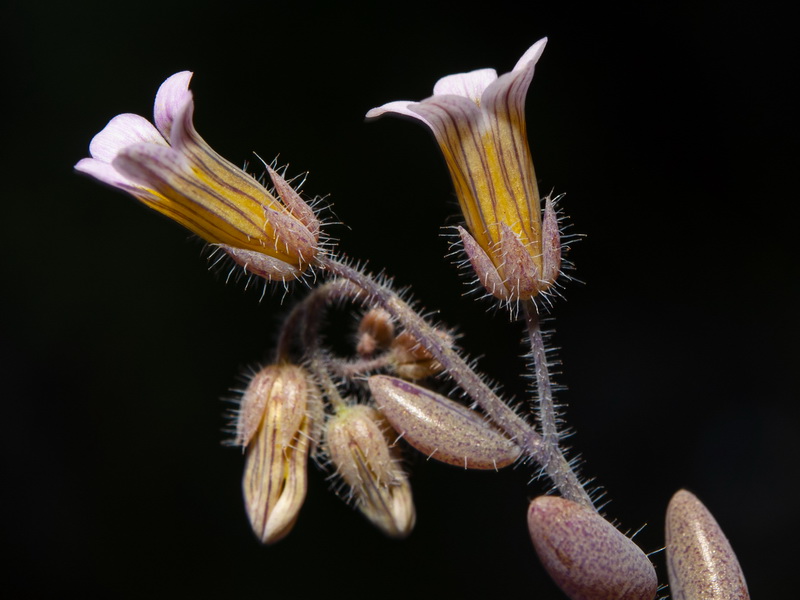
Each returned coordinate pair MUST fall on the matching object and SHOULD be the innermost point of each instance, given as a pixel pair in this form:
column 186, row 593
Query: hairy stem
column 354, row 368
column 354, row 284
column 304, row 321
column 456, row 367
column 554, row 463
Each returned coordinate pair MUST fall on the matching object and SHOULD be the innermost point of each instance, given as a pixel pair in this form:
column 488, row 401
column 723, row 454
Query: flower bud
column 412, row 360
column 358, row 440
column 375, row 332
column 587, row 557
column 700, row 561
column 440, row 428
column 274, row 426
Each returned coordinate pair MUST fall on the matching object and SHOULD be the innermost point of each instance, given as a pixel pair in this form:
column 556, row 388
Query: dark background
column 670, row 127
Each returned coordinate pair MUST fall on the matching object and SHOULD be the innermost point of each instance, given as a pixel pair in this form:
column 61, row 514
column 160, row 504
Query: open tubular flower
column 171, row 169
column 478, row 119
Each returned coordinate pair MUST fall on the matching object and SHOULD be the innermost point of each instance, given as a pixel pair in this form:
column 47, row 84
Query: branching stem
column 350, row 283
column 304, row 322
column 454, row 365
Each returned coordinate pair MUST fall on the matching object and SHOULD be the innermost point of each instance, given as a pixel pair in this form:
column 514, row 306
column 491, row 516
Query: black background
column 670, row 127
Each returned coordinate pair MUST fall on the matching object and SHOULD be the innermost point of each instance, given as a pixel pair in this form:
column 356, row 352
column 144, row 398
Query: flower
column 478, row 119
column 171, row 169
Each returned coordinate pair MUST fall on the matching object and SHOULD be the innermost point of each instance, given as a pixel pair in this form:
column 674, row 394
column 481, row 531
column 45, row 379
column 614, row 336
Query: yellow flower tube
column 478, row 119
column 171, row 169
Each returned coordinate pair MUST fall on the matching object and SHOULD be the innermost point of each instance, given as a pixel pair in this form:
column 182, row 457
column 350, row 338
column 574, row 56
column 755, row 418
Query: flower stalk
column 554, row 463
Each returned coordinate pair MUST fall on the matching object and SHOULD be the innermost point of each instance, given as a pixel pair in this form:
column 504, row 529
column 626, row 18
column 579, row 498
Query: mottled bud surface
column 700, row 560
column 587, row 557
column 440, row 428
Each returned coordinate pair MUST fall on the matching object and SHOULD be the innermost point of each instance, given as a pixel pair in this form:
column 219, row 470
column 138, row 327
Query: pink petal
column 172, row 97
column 448, row 115
column 532, row 54
column 507, row 94
column 151, row 166
column 123, row 131
column 468, row 85
column 398, row 107
column 183, row 136
column 107, row 174
column 103, row 171
column 505, row 98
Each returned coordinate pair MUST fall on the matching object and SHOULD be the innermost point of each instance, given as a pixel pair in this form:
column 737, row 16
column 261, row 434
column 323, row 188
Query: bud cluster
column 403, row 354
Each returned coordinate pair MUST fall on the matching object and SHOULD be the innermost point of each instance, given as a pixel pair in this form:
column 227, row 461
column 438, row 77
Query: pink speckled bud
column 587, row 557
column 441, row 428
column 700, row 561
